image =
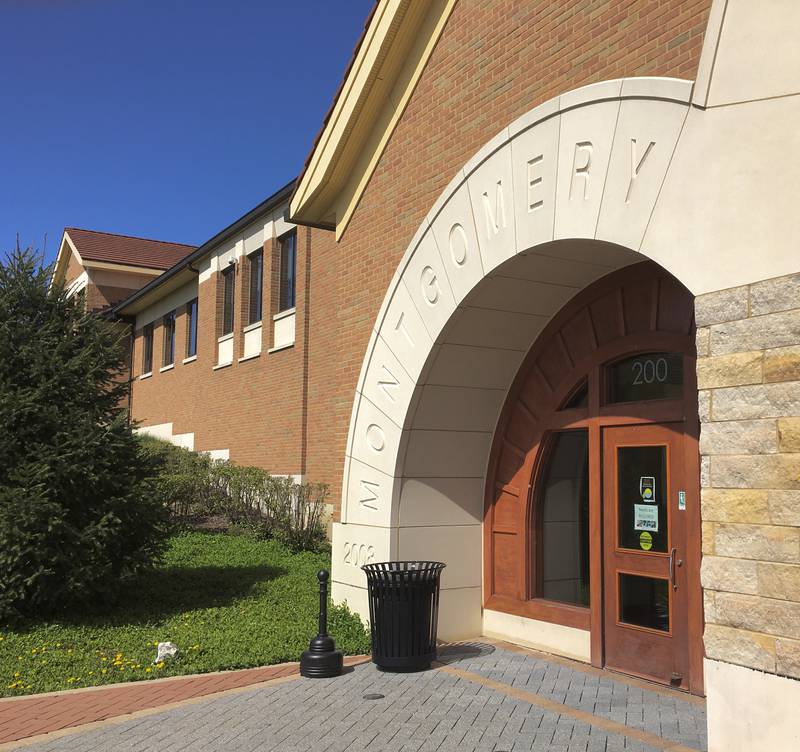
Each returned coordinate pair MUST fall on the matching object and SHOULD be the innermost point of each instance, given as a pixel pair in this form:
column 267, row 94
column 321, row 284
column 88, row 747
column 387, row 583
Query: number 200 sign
column 650, row 371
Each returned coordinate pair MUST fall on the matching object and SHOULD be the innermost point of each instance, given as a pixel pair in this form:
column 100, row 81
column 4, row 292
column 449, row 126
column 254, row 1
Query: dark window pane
column 642, row 497
column 191, row 328
column 288, row 261
column 646, row 377
column 228, row 281
column 578, row 399
column 168, row 350
column 644, row 601
column 565, row 520
column 147, row 348
column 256, row 261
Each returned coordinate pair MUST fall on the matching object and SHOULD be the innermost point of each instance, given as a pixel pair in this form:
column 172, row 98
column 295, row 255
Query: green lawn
column 227, row 601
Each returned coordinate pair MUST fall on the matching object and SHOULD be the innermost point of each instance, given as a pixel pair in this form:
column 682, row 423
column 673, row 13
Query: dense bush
column 76, row 516
column 193, row 486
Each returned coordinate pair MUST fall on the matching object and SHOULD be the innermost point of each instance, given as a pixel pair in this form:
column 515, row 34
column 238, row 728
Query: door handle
column 672, row 553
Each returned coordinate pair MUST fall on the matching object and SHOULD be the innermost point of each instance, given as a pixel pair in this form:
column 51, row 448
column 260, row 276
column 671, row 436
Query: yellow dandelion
column 104, row 671
column 148, row 670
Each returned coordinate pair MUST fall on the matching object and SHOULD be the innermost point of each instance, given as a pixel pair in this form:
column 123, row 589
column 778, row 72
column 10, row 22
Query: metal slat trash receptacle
column 404, row 613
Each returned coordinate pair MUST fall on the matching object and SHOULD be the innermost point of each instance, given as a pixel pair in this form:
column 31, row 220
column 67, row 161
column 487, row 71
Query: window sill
column 283, row 314
column 190, row 359
column 166, row 368
column 251, row 327
column 225, row 337
column 145, row 375
column 222, row 365
column 280, row 347
column 249, row 357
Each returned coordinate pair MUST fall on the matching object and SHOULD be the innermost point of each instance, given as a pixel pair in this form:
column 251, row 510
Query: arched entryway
column 595, row 453
column 560, row 199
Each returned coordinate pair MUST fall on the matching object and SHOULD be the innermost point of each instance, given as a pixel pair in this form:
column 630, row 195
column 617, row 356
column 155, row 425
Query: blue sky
column 161, row 118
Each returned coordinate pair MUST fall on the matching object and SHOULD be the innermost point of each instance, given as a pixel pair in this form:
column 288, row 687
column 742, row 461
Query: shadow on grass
column 159, row 594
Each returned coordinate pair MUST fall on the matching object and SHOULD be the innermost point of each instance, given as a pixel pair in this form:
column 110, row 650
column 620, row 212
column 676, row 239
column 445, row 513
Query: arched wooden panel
column 633, row 310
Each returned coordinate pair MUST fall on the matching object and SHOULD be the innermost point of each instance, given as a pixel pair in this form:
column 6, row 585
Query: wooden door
column 644, row 533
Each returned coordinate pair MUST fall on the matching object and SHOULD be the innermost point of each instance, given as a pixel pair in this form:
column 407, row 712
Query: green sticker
column 646, row 541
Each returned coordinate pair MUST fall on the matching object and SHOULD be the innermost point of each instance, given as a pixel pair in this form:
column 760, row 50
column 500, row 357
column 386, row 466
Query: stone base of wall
column 750, row 710
column 748, row 372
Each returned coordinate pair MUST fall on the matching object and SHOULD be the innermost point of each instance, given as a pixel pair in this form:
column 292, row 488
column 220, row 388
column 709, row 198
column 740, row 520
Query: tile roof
column 124, row 249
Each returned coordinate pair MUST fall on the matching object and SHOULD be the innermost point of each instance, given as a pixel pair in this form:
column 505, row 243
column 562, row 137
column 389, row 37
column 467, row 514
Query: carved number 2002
column 358, row 554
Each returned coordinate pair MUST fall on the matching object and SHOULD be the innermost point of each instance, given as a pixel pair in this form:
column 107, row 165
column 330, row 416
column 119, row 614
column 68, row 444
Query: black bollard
column 322, row 660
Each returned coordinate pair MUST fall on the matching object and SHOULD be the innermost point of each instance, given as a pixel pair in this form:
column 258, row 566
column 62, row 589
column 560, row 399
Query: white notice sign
column 645, row 517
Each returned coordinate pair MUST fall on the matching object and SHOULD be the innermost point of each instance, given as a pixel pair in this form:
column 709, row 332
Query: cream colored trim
column 396, row 47
column 122, row 267
column 145, row 375
column 221, row 365
column 398, row 99
column 250, row 357
column 225, row 337
column 188, row 360
column 62, row 261
column 251, row 327
column 166, row 368
column 279, row 348
column 283, row 314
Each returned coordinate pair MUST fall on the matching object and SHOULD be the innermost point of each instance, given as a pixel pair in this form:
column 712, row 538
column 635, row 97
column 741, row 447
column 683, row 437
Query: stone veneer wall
column 748, row 368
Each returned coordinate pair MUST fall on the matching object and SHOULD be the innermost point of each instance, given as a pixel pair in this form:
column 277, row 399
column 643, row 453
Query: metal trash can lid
column 404, row 566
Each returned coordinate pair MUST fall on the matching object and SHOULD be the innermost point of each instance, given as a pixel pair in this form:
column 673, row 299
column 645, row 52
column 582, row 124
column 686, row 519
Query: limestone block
column 784, row 507
column 702, row 341
column 789, row 434
column 735, row 505
column 780, row 581
column 705, row 472
column 724, row 305
column 758, row 401
column 782, row 364
column 730, row 575
column 771, row 295
column 708, row 537
column 762, row 542
column 704, row 405
column 787, row 653
column 730, row 370
column 709, row 606
column 756, row 471
column 739, row 646
column 779, row 618
column 758, row 333
column 739, row 437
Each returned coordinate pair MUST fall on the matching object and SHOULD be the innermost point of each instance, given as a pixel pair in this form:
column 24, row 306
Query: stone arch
column 556, row 200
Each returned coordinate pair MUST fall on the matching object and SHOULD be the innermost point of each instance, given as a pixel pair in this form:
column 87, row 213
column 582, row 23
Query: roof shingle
column 124, row 249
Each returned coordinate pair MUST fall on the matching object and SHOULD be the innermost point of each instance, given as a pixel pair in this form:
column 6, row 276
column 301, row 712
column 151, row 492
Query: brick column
column 748, row 369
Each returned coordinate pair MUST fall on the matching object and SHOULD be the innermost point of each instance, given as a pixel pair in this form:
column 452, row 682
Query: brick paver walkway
column 28, row 716
column 480, row 698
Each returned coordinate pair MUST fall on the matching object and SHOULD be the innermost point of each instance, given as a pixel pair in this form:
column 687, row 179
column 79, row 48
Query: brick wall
column 253, row 408
column 495, row 60
column 748, row 342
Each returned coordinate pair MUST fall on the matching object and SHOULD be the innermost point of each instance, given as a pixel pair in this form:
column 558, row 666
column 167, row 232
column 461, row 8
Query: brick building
column 106, row 268
column 533, row 309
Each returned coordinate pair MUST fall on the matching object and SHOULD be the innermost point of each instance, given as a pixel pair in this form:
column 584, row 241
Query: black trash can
column 404, row 612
